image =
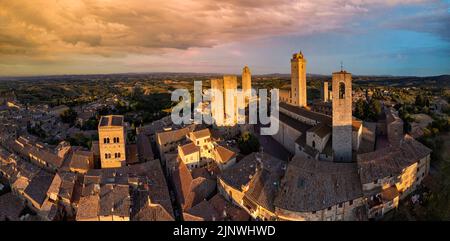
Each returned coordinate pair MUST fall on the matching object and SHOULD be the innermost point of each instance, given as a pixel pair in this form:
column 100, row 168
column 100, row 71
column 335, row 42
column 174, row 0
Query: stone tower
column 246, row 83
column 230, row 99
column 298, row 80
column 112, row 141
column 342, row 116
column 325, row 92
column 217, row 107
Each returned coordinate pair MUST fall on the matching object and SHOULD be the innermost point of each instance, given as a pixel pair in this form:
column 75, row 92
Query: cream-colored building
column 202, row 150
column 190, row 155
column 390, row 174
column 112, row 141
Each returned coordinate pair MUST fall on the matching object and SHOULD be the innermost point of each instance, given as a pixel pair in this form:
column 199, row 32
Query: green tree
column 373, row 110
column 248, row 143
column 360, row 109
column 69, row 116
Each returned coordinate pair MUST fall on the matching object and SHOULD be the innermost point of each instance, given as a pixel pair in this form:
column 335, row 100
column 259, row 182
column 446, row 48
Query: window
column 118, row 154
column 329, row 208
column 104, row 140
column 341, row 90
column 375, row 182
column 314, row 144
column 350, row 203
column 107, row 140
column 340, row 205
column 313, row 212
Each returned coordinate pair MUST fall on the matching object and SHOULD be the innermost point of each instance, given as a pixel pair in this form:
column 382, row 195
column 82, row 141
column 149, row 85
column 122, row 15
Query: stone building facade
column 112, row 141
column 342, row 116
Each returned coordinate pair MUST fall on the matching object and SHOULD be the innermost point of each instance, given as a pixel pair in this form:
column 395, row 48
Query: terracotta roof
column 312, row 185
column 114, row 200
column 182, row 179
column 131, row 154
column 201, row 133
column 390, row 161
column 27, row 147
column 203, row 211
column 67, row 185
column 298, row 125
column 81, row 159
column 191, row 191
column 38, row 187
column 307, row 113
column 321, row 130
column 228, row 210
column 224, row 154
column 200, row 189
column 240, row 174
column 264, row 186
column 144, row 148
column 189, row 148
column 172, row 136
column 11, row 207
column 153, row 213
column 88, row 207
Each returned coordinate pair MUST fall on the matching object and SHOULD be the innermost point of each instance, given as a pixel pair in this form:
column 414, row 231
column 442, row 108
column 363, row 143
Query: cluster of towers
column 224, row 99
column 341, row 104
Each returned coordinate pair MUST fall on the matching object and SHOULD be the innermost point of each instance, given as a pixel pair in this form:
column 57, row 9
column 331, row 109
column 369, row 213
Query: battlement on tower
column 298, row 56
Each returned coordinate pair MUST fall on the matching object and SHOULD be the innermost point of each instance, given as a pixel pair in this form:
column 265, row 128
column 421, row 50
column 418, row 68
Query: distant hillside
column 400, row 81
column 408, row 81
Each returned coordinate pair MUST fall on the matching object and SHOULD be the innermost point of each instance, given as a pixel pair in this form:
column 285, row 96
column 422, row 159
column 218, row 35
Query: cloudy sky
column 395, row 37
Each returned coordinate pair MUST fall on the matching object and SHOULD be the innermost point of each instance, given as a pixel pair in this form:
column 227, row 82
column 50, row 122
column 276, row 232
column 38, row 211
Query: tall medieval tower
column 342, row 116
column 112, row 141
column 298, row 80
column 325, row 92
column 217, row 105
column 230, row 99
column 246, row 83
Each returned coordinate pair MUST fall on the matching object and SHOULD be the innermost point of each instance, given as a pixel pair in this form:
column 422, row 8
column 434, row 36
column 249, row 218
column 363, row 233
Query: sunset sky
column 381, row 37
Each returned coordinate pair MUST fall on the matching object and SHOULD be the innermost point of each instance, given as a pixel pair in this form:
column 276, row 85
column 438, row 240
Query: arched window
column 341, row 90
column 314, row 144
column 107, row 140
